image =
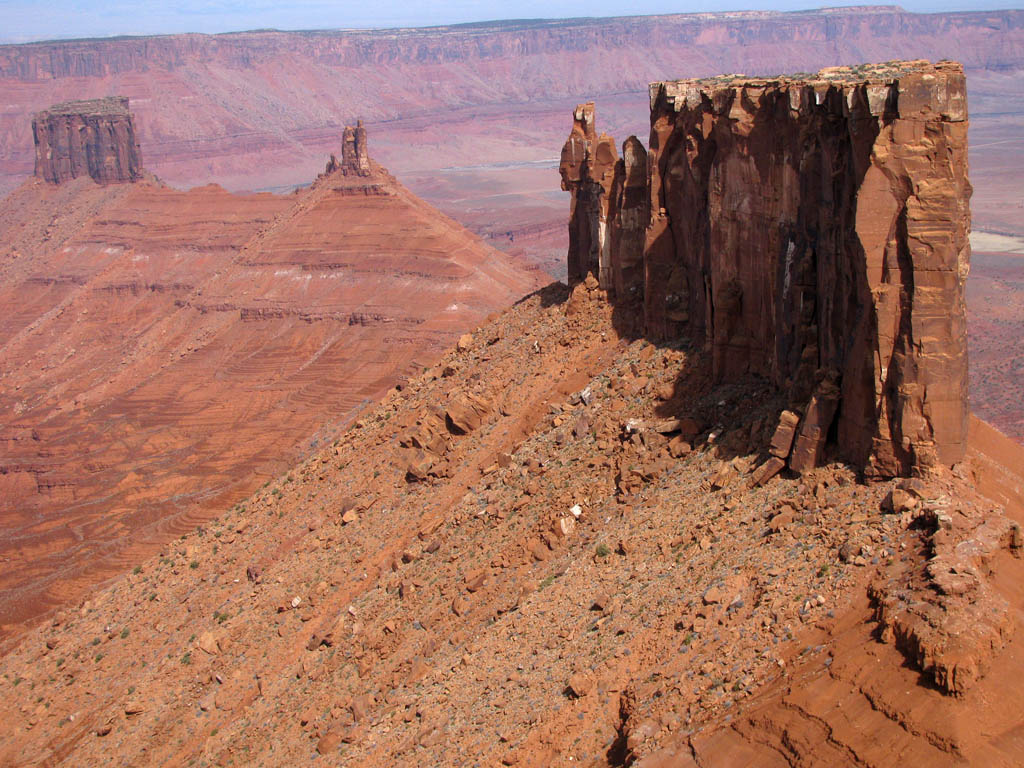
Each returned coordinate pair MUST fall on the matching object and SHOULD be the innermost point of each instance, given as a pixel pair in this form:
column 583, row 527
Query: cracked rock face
column 87, row 138
column 813, row 231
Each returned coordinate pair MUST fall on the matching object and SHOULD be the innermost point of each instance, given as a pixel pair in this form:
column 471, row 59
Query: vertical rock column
column 588, row 169
column 628, row 216
column 913, row 221
column 355, row 158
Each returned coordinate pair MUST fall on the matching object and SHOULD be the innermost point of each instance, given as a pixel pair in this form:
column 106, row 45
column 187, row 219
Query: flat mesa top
column 885, row 72
column 111, row 105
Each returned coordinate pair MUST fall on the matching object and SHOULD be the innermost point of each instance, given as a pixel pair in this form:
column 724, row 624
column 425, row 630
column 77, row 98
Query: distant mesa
column 87, row 138
column 810, row 230
column 355, row 158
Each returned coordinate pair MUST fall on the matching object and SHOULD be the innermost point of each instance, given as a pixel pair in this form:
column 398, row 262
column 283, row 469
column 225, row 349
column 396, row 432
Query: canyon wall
column 253, row 110
column 87, row 138
column 813, row 231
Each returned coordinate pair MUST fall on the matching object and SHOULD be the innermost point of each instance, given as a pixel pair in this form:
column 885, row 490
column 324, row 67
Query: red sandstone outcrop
column 588, row 167
column 609, row 209
column 87, row 138
column 813, row 231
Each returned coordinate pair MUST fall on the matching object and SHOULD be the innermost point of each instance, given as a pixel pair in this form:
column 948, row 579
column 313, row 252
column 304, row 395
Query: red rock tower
column 87, row 138
column 588, row 171
column 355, row 159
column 813, row 231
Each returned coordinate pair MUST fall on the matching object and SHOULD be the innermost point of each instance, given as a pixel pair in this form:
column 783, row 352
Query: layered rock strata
column 87, row 138
column 810, row 230
column 165, row 351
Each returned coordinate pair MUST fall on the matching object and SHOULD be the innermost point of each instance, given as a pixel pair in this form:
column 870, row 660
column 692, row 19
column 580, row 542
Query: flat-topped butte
column 110, row 105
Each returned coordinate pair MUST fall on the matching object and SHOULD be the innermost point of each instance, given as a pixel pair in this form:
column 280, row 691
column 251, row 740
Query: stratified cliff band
column 810, row 230
column 87, row 138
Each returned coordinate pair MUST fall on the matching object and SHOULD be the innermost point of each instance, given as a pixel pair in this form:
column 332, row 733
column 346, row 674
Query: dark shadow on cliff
column 552, row 294
column 737, row 415
column 762, row 330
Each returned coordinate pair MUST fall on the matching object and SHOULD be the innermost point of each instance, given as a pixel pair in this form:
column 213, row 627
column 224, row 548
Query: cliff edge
column 811, row 230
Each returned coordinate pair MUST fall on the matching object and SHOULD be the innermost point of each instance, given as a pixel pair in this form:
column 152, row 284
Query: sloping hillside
column 165, row 351
column 547, row 548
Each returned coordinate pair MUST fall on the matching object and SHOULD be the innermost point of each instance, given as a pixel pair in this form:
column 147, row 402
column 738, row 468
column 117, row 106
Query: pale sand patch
column 992, row 243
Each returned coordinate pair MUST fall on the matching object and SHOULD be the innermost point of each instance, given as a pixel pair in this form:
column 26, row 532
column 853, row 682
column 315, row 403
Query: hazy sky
column 25, row 20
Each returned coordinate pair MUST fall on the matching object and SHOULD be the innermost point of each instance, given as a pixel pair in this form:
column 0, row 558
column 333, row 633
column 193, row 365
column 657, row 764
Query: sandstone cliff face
column 812, row 231
column 87, row 138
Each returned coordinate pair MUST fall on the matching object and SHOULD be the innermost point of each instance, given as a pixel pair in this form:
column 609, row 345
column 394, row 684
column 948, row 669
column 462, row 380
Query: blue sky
column 25, row 20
